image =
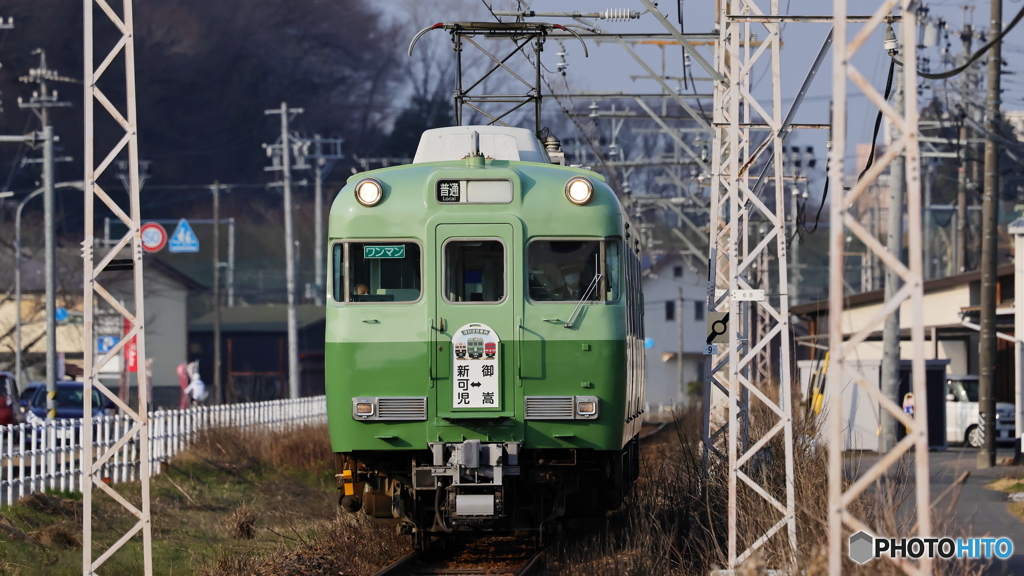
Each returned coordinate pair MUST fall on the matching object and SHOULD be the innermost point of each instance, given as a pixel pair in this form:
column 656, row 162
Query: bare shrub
column 9, row 530
column 676, row 519
column 51, row 504
column 237, row 450
column 242, row 522
column 56, row 536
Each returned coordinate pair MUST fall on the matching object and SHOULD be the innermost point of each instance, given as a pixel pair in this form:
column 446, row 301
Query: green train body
column 464, row 399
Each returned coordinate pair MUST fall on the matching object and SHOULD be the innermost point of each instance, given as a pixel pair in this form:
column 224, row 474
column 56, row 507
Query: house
column 254, row 347
column 664, row 283
column 165, row 301
column 951, row 316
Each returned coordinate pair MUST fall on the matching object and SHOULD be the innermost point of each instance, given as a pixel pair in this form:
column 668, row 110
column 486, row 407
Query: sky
column 608, row 67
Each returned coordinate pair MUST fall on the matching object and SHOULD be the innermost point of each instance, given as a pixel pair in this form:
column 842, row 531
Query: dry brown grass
column 52, row 504
column 289, row 528
column 242, row 522
column 57, row 536
column 235, row 451
column 676, row 522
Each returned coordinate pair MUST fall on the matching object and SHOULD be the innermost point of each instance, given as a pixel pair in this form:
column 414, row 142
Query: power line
column 974, row 57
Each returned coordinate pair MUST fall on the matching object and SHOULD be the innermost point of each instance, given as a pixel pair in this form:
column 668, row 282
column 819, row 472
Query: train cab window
column 378, row 271
column 474, row 271
column 567, row 270
column 338, row 272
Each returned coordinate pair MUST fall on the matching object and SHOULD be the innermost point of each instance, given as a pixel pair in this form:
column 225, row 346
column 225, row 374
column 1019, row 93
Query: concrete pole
column 289, row 233
column 989, row 247
column 50, row 276
column 966, row 150
column 17, row 299
column 794, row 251
column 318, row 170
column 927, row 175
column 1017, row 229
column 231, row 262
column 894, row 245
column 681, row 395
column 960, row 264
column 17, row 286
column 218, row 388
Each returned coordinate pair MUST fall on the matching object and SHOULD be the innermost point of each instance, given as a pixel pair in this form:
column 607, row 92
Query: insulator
column 931, row 35
column 562, row 64
column 619, row 15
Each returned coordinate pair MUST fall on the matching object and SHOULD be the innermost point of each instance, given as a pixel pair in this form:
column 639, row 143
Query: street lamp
column 17, row 271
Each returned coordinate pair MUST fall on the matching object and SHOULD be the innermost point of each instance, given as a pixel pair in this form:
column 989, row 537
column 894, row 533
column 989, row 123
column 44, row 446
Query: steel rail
column 408, row 566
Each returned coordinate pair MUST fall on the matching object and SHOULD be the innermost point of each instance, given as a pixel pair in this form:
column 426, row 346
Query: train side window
column 474, row 271
column 383, row 271
column 338, row 272
column 611, row 264
column 563, row 270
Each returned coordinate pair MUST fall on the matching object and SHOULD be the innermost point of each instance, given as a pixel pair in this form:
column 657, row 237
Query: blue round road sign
column 61, row 314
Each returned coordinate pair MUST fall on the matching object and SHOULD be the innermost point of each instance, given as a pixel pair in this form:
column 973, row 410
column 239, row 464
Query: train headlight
column 579, row 190
column 363, row 407
column 369, row 192
column 586, row 406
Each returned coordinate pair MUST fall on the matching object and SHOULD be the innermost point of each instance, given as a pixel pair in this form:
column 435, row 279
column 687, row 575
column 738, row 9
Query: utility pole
column 893, row 245
column 927, row 175
column 794, row 247
column 990, row 244
column 41, row 102
column 960, row 262
column 324, row 161
column 289, row 233
column 966, row 37
column 218, row 389
column 50, row 277
column 681, row 395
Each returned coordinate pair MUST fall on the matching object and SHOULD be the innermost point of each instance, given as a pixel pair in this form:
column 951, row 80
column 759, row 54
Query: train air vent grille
column 402, row 408
column 549, row 408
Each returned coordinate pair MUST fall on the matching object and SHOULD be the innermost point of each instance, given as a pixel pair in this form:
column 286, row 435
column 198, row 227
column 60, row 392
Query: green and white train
column 484, row 355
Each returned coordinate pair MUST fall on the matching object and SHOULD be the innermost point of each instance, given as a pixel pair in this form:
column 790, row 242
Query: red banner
column 131, row 353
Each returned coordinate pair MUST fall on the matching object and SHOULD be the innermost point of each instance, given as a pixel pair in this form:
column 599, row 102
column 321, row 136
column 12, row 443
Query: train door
column 477, row 299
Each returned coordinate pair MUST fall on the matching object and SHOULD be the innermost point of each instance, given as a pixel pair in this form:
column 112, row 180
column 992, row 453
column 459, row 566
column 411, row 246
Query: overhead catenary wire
column 974, row 57
column 871, row 154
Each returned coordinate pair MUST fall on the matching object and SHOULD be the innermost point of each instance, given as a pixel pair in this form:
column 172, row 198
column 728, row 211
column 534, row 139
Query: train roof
column 496, row 142
column 411, row 193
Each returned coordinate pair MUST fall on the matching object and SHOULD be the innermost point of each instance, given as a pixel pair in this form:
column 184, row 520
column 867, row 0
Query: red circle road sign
column 154, row 237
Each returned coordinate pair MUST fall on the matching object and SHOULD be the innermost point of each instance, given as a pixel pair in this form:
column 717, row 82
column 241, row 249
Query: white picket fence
column 47, row 457
column 662, row 412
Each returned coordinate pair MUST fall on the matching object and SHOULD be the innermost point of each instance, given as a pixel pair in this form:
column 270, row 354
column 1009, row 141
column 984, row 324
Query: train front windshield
column 378, row 271
column 564, row 270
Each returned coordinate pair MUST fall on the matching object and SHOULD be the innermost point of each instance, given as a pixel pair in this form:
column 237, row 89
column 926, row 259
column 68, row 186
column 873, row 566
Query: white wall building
column 662, row 284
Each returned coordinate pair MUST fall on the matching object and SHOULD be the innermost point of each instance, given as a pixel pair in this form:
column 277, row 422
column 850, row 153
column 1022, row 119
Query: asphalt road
column 980, row 511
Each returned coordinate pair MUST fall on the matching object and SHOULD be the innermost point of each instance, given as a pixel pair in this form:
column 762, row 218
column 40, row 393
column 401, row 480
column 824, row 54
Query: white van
column 962, row 419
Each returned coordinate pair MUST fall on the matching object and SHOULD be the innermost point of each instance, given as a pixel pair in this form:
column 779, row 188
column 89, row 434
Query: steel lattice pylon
column 738, row 210
column 841, row 371
column 139, row 431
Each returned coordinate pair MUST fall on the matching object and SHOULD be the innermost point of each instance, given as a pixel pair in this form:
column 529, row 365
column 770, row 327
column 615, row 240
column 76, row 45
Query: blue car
column 26, row 394
column 70, row 397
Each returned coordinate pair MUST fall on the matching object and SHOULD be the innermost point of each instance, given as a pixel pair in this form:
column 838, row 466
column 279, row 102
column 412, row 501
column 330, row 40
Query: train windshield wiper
column 586, row 294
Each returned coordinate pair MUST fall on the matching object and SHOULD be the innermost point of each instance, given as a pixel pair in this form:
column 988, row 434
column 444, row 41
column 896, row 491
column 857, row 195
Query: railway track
column 490, row 556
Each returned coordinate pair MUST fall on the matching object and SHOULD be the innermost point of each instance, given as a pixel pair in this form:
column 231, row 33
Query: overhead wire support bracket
column 844, row 370
column 522, row 34
column 748, row 251
column 93, row 465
